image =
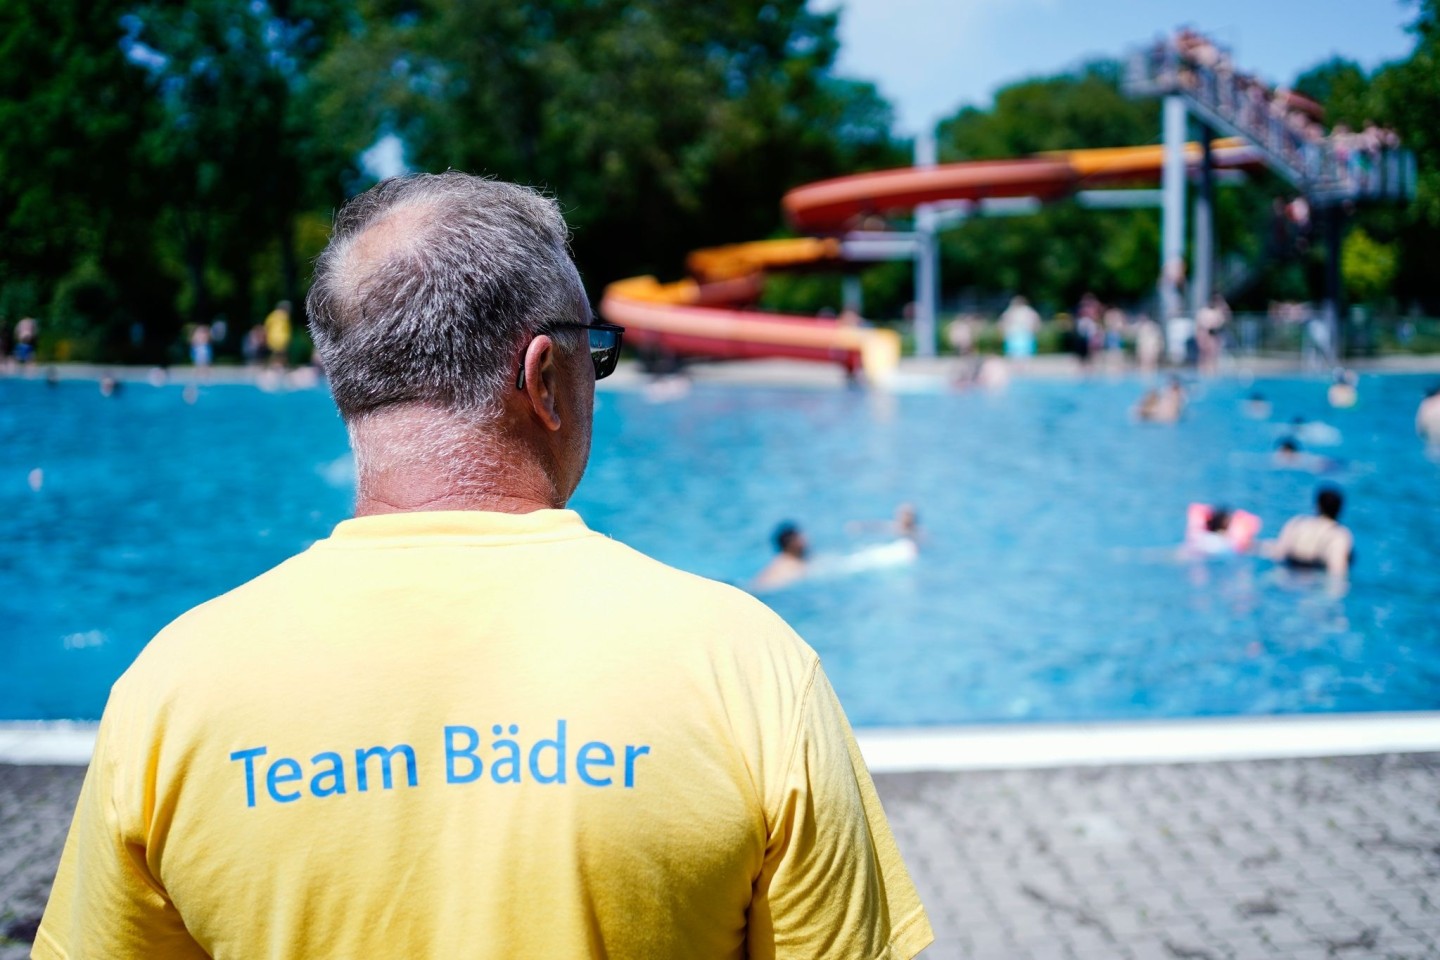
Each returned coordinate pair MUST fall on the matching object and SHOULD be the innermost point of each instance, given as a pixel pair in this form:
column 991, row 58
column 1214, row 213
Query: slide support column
column 851, row 297
column 1172, row 208
column 927, row 257
column 1334, row 219
column 1203, row 287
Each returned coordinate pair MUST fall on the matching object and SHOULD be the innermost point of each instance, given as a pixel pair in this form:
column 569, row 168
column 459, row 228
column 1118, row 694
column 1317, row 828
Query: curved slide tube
column 698, row 317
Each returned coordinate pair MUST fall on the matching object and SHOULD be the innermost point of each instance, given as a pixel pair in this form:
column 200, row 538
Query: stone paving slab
column 1323, row 858
column 1313, row 859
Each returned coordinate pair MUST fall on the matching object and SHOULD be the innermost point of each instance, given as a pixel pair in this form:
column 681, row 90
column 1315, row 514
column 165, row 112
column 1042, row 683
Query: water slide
column 709, row 314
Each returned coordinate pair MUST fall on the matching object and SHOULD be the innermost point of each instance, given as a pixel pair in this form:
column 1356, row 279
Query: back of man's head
column 1328, row 501
column 429, row 287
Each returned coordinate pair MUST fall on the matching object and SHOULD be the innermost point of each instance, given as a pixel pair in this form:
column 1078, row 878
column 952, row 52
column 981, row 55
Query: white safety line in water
column 997, row 746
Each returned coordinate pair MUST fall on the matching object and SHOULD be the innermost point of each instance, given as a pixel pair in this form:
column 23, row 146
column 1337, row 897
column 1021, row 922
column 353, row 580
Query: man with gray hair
column 464, row 724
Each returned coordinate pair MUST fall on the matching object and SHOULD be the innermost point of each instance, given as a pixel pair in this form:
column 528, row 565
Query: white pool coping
column 1021, row 746
column 997, row 747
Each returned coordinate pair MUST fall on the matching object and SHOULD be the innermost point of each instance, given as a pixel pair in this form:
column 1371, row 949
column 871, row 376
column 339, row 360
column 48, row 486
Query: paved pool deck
column 1062, row 842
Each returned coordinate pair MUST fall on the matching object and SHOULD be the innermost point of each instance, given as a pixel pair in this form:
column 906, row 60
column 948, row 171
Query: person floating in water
column 1317, row 541
column 905, row 524
column 907, row 521
column 1164, row 405
column 1257, row 407
column 791, row 561
column 1343, row 393
column 1287, row 452
column 1289, row 456
column 1218, row 531
column 1427, row 417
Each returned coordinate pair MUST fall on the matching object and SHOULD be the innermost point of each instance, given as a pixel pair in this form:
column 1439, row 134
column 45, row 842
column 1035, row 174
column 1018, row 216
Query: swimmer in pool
column 905, row 525
column 1257, row 407
column 1318, row 541
column 1343, row 393
column 1427, row 417
column 1212, row 540
column 790, row 563
column 1162, row 406
column 907, row 521
column 1289, row 456
column 1218, row 531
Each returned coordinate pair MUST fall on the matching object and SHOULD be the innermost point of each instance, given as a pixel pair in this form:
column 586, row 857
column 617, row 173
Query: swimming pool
column 1044, row 590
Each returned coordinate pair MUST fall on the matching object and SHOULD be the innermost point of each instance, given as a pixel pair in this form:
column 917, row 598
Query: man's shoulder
column 200, row 631
column 696, row 598
column 638, row 585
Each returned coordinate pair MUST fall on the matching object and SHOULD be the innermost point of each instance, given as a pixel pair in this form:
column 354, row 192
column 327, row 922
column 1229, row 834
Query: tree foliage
column 1403, row 96
column 72, row 112
column 660, row 125
column 1056, row 255
column 164, row 161
column 1367, row 266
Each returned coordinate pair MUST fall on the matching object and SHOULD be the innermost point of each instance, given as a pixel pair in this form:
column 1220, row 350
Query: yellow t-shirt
column 478, row 735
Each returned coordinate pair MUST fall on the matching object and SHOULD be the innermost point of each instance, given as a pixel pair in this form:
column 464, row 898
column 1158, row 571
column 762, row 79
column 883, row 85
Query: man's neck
column 411, row 461
column 369, row 504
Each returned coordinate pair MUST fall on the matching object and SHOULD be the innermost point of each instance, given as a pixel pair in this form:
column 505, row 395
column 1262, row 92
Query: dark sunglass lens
column 605, row 363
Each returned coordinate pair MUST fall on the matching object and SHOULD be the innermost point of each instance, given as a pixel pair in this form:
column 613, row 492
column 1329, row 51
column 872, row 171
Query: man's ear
column 542, row 379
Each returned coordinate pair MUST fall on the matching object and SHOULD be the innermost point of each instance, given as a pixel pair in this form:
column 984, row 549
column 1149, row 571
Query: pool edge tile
column 1201, row 740
column 47, row 743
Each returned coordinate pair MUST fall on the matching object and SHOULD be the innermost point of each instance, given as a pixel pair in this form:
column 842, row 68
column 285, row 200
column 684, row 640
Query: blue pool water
column 1044, row 589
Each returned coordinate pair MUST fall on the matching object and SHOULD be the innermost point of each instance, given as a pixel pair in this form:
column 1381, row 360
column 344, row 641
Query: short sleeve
column 833, row 884
column 104, row 902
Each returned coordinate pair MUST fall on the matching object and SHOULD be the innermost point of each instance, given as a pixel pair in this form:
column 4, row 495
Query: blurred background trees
column 165, row 162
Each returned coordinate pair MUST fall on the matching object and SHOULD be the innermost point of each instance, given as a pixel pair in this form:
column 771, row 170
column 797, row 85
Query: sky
column 929, row 57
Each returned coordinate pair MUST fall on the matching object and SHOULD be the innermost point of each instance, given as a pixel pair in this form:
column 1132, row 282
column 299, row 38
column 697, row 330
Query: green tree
column 1367, row 266
column 231, row 142
column 76, row 197
column 1058, row 253
column 660, row 126
column 1408, row 95
column 1343, row 88
column 1068, row 111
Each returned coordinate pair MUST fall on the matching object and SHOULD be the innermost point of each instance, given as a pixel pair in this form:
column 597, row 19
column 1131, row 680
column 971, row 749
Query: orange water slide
column 699, row 316
column 832, row 205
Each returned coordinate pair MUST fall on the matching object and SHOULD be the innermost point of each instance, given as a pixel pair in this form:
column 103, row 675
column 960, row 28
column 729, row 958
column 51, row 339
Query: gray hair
column 429, row 286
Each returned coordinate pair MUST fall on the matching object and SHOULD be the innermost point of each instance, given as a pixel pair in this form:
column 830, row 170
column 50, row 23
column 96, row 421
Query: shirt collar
column 426, row 527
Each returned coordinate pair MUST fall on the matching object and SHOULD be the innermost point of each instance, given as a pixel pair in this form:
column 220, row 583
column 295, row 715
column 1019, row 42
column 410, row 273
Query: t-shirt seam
column 772, row 816
column 903, row 927
column 51, row 943
column 362, row 542
column 113, row 809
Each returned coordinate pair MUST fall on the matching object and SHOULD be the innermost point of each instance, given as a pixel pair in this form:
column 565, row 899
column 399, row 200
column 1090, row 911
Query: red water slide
column 699, row 316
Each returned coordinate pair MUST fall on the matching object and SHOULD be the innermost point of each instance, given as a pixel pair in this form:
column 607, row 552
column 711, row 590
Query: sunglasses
column 604, row 347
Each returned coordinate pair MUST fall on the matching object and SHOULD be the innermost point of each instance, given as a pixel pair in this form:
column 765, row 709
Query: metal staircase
column 1326, row 171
